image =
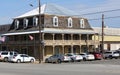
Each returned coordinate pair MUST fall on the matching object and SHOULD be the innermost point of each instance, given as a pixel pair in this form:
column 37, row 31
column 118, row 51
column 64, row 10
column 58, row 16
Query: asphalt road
column 103, row 67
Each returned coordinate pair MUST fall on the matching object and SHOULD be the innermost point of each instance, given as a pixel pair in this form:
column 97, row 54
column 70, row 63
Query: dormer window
column 35, row 21
column 82, row 23
column 70, row 22
column 25, row 23
column 55, row 21
column 16, row 24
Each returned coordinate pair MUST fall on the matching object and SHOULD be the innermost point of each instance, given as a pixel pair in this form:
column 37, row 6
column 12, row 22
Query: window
column 11, row 53
column 82, row 23
column 16, row 24
column 69, row 22
column 55, row 21
column 35, row 21
column 4, row 53
column 25, row 23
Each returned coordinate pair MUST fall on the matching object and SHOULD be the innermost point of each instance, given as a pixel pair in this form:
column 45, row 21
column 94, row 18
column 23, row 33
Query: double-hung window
column 35, row 21
column 25, row 23
column 16, row 23
column 55, row 21
column 70, row 22
column 82, row 23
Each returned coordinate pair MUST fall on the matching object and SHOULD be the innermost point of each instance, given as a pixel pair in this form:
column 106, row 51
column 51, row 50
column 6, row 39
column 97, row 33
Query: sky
column 90, row 9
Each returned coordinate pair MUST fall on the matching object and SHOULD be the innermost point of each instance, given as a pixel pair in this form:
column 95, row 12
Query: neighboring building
column 61, row 32
column 3, row 29
column 111, row 37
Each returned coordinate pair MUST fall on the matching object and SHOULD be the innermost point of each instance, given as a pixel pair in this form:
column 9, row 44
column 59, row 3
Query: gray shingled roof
column 51, row 9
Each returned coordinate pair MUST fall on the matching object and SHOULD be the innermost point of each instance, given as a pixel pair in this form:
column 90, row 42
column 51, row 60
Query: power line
column 106, row 18
column 101, row 12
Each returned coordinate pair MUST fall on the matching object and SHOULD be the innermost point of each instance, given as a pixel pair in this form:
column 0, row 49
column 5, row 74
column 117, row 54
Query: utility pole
column 40, row 33
column 40, row 43
column 102, row 44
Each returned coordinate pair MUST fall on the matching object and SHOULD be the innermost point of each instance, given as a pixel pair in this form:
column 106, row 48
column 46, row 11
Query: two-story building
column 61, row 32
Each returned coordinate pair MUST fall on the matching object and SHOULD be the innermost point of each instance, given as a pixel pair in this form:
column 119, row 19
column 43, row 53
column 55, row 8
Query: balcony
column 56, row 42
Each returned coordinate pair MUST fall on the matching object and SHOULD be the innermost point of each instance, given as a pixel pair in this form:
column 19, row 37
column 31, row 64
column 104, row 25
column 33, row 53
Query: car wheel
column 116, row 57
column 32, row 60
column 6, row 59
column 72, row 60
column 46, row 61
column 84, row 59
column 105, row 58
column 110, row 57
column 59, row 61
column 18, row 61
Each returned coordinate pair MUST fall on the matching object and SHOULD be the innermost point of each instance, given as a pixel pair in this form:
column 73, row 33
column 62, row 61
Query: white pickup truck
column 111, row 54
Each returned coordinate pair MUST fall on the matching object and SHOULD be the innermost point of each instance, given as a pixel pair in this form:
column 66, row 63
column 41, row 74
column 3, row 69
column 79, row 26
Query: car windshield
column 108, row 52
column 15, row 55
column 4, row 53
column 115, row 52
column 82, row 54
column 69, row 54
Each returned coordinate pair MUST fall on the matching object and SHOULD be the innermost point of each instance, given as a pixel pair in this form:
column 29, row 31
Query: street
column 99, row 67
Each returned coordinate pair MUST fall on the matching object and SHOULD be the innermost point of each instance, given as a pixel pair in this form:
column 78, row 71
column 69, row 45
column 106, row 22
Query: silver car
column 87, row 56
column 74, row 57
column 22, row 58
column 57, row 58
column 111, row 54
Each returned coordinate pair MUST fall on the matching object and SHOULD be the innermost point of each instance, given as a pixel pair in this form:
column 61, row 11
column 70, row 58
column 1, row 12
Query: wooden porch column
column 95, row 42
column 87, row 42
column 53, row 43
column 72, row 43
column 53, row 37
column 63, row 49
column 63, row 38
column 71, row 48
column 72, row 37
column 63, row 44
column 80, row 49
column 53, row 49
column 80, row 42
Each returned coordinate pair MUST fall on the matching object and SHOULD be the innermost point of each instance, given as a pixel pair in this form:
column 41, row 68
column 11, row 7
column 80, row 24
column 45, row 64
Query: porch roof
column 54, row 30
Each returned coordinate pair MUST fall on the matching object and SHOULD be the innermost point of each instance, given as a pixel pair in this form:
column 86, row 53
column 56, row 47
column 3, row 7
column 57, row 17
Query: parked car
column 87, row 56
column 118, row 51
column 97, row 55
column 18, row 58
column 57, row 58
column 5, row 55
column 74, row 57
column 111, row 54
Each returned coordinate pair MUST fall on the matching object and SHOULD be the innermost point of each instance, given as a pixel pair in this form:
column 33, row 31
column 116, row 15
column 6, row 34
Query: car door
column 21, row 58
column 53, row 58
column 26, row 58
